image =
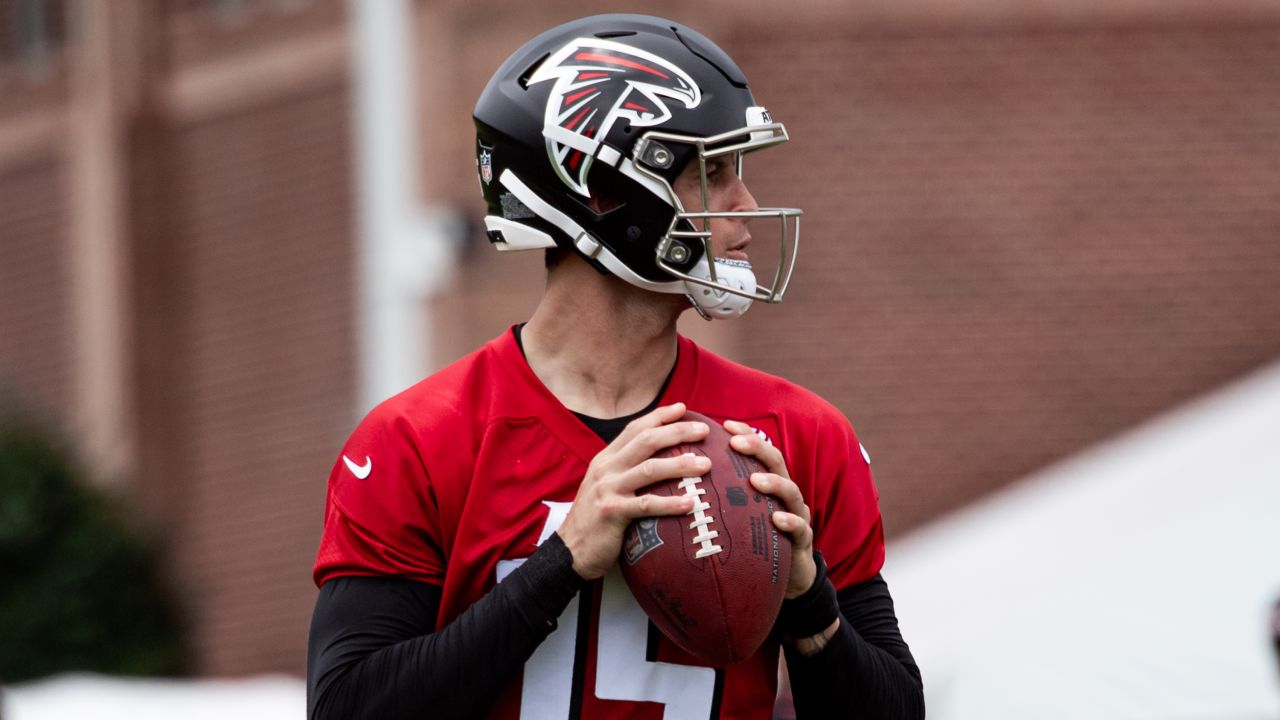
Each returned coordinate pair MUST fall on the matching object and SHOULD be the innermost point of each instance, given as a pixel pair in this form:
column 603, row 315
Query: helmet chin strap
column 713, row 304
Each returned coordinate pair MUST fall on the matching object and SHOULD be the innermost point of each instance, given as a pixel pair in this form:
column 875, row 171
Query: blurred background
column 1039, row 271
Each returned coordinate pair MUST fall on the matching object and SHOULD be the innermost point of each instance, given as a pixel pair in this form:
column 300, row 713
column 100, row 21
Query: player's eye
column 719, row 171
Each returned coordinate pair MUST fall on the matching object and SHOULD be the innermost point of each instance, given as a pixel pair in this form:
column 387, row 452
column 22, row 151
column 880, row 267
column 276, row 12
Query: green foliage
column 79, row 589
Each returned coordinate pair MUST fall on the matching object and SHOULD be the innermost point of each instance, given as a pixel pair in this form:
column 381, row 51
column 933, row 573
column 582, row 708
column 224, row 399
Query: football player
column 468, row 566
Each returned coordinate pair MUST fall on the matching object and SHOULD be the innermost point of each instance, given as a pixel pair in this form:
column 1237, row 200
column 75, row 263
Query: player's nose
column 742, row 199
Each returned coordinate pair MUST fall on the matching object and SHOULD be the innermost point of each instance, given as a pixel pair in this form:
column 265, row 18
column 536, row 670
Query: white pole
column 404, row 252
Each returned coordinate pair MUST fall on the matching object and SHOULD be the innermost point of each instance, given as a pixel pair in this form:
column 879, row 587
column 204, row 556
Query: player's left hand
column 794, row 520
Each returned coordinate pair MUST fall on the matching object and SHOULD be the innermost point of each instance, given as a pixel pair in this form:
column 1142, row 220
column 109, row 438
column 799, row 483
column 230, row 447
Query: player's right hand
column 607, row 499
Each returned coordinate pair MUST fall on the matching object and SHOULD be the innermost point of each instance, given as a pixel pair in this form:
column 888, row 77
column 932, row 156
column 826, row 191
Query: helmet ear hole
column 607, row 191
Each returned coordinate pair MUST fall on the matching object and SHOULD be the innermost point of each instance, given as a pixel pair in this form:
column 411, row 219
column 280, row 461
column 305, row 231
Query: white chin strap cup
column 712, row 303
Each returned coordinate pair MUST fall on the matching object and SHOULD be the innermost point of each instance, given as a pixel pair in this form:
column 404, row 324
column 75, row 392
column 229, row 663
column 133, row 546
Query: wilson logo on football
column 596, row 83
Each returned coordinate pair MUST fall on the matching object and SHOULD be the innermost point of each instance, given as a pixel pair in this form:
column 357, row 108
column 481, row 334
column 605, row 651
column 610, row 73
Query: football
column 711, row 580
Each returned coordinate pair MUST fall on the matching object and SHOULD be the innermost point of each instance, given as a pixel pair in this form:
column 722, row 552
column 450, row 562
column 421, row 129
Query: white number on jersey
column 623, row 672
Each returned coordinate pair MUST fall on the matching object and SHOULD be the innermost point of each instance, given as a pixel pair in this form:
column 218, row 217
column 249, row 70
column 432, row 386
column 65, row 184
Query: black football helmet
column 616, row 106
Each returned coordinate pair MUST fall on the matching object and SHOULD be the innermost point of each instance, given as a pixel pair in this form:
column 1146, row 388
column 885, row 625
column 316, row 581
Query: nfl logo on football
column 486, row 166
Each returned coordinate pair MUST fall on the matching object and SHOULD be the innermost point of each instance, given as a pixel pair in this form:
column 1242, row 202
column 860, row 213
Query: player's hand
column 607, row 499
column 794, row 520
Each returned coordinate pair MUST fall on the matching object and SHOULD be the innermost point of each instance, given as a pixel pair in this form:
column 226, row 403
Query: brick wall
column 1018, row 241
column 35, row 310
column 262, row 361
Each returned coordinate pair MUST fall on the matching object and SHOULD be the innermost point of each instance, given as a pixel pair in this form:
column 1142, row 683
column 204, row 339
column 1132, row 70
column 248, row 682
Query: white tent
column 97, row 697
column 1132, row 581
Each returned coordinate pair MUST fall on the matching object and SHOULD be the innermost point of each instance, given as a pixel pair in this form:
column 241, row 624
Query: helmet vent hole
column 523, row 80
column 614, row 33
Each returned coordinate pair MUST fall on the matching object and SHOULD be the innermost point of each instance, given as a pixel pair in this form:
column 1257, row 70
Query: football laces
column 701, row 520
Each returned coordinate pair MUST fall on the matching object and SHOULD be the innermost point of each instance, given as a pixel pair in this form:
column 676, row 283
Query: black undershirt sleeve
column 374, row 651
column 866, row 670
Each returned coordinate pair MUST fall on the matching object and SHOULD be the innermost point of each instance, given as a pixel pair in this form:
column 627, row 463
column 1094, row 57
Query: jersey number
column 623, row 672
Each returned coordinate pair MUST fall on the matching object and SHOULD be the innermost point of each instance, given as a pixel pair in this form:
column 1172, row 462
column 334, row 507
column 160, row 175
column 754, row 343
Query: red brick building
column 1027, row 228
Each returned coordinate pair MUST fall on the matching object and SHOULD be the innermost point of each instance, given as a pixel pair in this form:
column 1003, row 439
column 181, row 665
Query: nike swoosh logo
column 360, row 471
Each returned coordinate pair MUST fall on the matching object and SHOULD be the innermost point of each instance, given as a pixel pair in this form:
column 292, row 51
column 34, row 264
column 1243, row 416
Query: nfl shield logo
column 640, row 538
column 486, row 167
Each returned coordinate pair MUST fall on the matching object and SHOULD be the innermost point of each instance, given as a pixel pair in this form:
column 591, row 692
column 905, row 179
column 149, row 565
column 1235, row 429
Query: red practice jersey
column 457, row 480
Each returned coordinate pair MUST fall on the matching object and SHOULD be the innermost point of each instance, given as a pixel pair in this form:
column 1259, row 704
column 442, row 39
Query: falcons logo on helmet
column 596, row 83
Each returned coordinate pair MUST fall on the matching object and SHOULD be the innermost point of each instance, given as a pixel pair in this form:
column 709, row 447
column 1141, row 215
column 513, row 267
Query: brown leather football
column 712, row 580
